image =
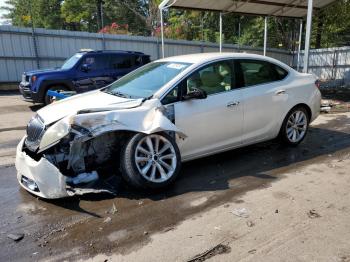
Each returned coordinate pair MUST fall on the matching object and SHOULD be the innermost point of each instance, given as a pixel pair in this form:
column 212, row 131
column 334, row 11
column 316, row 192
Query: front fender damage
column 90, row 146
column 149, row 118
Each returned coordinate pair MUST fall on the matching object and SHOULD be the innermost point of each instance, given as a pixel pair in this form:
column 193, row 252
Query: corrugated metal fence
column 331, row 65
column 22, row 50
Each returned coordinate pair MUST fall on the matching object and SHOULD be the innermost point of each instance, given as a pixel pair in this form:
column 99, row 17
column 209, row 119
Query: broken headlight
column 54, row 133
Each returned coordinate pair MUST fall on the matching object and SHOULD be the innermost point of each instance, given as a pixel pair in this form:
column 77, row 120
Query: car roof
column 207, row 57
column 110, row 52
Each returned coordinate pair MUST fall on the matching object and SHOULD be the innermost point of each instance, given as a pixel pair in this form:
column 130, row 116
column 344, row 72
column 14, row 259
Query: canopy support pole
column 308, row 35
column 239, row 35
column 162, row 30
column 299, row 45
column 265, row 36
column 220, row 37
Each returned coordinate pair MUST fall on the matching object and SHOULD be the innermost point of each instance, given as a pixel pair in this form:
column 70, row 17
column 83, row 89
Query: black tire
column 283, row 134
column 130, row 171
column 47, row 99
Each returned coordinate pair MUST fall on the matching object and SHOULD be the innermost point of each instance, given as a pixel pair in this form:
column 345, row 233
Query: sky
column 2, row 12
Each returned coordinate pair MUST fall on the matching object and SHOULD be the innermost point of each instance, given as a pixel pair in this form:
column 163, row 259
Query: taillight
column 318, row 84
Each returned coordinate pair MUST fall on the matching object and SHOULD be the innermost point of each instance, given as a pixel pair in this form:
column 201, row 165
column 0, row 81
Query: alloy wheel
column 155, row 158
column 296, row 126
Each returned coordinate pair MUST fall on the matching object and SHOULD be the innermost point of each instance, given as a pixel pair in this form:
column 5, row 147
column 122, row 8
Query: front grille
column 35, row 130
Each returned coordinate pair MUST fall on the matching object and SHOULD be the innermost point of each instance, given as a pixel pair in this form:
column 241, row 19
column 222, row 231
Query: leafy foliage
column 331, row 26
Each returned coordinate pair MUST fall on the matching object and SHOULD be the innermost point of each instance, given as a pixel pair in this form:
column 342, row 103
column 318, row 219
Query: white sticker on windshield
column 176, row 66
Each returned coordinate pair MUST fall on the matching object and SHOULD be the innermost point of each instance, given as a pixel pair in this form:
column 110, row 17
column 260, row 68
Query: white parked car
column 169, row 111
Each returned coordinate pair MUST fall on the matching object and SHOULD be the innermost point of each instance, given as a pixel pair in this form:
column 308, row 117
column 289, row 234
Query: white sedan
column 169, row 111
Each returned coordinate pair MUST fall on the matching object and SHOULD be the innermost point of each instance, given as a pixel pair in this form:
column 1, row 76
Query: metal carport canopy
column 287, row 8
column 282, row 8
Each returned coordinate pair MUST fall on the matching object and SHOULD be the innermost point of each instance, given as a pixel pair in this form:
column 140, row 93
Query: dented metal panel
column 93, row 130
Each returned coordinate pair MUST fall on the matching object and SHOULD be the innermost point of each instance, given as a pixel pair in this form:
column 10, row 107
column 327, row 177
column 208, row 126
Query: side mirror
column 85, row 67
column 195, row 93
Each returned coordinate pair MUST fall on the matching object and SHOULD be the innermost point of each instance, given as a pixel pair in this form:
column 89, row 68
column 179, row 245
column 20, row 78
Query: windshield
column 147, row 80
column 70, row 62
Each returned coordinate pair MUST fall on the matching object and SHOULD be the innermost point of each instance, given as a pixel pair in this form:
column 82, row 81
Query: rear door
column 121, row 64
column 93, row 72
column 263, row 97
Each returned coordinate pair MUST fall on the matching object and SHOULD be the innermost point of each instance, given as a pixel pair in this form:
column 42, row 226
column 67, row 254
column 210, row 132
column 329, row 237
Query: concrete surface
column 9, row 87
column 296, row 199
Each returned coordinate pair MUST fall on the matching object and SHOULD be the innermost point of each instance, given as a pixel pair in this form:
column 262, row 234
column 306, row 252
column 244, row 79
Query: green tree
column 82, row 15
column 331, row 26
column 24, row 12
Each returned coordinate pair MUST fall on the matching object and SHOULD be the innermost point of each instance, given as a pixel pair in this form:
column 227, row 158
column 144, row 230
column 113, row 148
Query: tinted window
column 145, row 59
column 97, row 62
column 123, row 61
column 214, row 78
column 257, row 72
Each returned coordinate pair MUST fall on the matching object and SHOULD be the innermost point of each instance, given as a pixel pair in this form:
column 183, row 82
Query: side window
column 97, row 62
column 138, row 60
column 122, row 61
column 282, row 73
column 257, row 72
column 214, row 78
column 145, row 59
column 172, row 97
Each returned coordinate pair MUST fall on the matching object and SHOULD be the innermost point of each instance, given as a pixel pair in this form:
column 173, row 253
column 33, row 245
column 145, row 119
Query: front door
column 93, row 73
column 212, row 124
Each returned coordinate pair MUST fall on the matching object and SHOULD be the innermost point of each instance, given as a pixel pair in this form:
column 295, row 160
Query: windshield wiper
column 147, row 98
column 117, row 94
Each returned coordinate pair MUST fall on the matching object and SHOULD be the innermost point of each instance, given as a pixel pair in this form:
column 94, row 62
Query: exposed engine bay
column 81, row 151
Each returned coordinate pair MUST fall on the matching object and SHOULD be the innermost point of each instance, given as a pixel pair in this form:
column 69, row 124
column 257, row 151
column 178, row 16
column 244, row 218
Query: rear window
column 122, row 61
column 126, row 61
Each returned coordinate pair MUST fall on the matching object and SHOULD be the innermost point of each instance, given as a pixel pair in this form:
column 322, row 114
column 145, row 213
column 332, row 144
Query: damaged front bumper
column 50, row 183
column 76, row 154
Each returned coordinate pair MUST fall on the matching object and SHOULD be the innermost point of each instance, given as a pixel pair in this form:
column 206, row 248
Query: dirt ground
column 259, row 203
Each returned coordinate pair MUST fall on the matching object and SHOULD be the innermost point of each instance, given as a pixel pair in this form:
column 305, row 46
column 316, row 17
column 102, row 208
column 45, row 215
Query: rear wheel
column 150, row 161
column 48, row 99
column 295, row 126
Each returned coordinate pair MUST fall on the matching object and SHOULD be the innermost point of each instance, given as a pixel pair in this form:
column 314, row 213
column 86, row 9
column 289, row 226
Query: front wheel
column 295, row 126
column 150, row 161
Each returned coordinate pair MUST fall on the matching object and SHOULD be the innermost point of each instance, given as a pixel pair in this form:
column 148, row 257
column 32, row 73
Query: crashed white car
column 169, row 111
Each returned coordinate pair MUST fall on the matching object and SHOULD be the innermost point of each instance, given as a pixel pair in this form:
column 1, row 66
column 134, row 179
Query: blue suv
column 84, row 71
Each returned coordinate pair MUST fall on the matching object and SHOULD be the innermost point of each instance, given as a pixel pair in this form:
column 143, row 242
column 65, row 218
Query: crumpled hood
column 90, row 100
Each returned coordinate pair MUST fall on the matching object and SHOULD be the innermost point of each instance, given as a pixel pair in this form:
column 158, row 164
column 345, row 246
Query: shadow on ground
column 219, row 172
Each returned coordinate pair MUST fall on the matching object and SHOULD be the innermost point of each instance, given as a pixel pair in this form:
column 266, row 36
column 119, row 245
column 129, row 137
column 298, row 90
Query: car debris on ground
column 112, row 210
column 107, row 220
column 16, row 236
column 250, row 223
column 313, row 214
column 241, row 212
column 218, row 249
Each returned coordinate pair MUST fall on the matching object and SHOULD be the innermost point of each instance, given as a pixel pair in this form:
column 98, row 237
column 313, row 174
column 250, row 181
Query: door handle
column 233, row 103
column 280, row 92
